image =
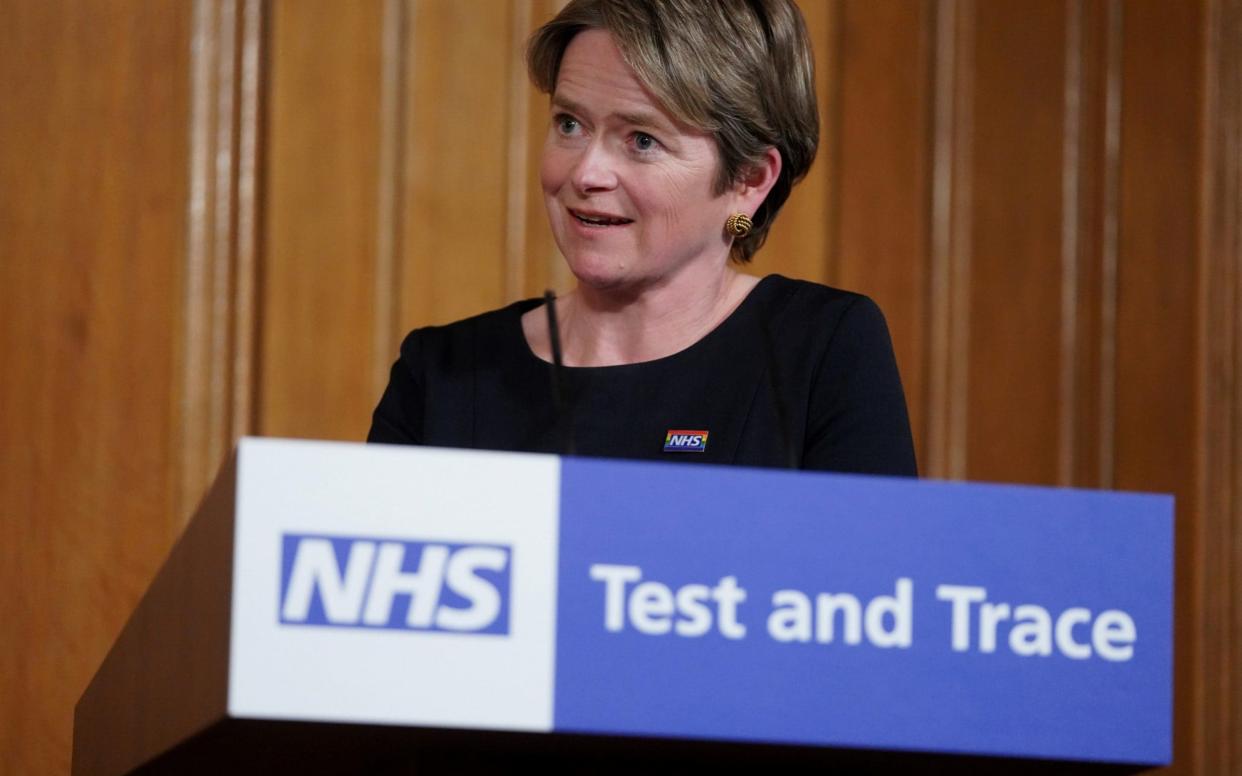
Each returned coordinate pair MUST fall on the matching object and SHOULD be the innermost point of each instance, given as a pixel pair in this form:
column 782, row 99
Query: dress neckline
column 720, row 330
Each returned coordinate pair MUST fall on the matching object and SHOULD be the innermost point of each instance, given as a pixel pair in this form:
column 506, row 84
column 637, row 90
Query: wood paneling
column 93, row 186
column 319, row 248
column 1089, row 228
column 394, row 112
column 1161, row 107
column 217, row 326
column 220, row 217
column 1217, row 590
column 1015, row 264
column 948, row 271
column 800, row 241
column 542, row 266
column 402, row 191
column 883, row 113
column 475, row 231
column 457, row 210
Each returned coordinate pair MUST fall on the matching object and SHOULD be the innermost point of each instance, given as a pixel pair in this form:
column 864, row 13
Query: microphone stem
column 564, row 427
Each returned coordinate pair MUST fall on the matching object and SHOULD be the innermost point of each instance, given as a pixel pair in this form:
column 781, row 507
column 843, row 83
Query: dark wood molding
column 218, row 330
column 951, row 245
column 1218, row 581
column 1106, row 413
column 1072, row 173
column 389, row 244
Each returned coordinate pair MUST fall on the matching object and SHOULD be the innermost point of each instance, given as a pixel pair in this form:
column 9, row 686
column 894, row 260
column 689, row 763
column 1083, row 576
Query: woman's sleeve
column 857, row 418
column 398, row 418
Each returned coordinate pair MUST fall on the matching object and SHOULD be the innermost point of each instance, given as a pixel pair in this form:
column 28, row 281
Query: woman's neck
column 606, row 327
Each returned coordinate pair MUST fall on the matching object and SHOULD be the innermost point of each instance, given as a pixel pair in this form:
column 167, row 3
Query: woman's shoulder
column 488, row 328
column 804, row 303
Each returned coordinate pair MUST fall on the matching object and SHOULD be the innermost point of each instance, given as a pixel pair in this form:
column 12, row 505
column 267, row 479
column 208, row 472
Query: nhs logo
column 355, row 582
column 685, row 441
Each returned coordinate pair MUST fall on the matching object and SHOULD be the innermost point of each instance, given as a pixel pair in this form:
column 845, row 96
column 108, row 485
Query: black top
column 798, row 373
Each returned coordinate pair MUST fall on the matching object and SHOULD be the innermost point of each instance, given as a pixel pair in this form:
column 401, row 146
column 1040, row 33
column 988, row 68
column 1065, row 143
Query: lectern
column 349, row 608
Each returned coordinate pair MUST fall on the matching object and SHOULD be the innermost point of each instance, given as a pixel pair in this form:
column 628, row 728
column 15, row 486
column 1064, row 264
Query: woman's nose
column 595, row 170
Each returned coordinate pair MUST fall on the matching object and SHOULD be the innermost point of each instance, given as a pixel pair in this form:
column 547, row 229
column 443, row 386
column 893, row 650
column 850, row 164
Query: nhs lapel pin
column 685, row 441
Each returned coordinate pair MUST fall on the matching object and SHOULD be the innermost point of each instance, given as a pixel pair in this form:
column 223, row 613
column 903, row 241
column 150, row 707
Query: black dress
column 798, row 375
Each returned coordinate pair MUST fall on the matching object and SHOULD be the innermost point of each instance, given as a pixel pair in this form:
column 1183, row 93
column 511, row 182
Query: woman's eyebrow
column 566, row 103
column 650, row 120
column 640, row 118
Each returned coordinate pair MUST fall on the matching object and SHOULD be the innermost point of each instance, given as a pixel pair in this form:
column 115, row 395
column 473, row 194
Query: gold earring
column 739, row 225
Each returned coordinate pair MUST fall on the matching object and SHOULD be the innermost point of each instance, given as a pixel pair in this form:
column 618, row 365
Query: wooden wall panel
column 882, row 110
column 1015, row 269
column 800, row 242
column 217, row 331
column 1043, row 196
column 980, row 175
column 401, row 190
column 1161, row 110
column 93, row 186
column 456, row 218
column 541, row 264
column 317, row 280
column 1218, row 584
column 948, row 271
column 1089, row 253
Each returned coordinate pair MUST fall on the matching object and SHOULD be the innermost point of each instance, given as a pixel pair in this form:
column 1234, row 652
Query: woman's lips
column 596, row 220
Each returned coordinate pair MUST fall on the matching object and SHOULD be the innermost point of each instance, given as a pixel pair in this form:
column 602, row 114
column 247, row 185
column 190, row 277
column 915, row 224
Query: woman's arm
column 398, row 418
column 857, row 419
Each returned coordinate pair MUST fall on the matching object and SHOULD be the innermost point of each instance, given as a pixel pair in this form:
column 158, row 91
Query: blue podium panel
column 864, row 612
column 378, row 585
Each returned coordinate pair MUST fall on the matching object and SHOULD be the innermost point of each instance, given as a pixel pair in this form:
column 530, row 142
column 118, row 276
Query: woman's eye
column 645, row 142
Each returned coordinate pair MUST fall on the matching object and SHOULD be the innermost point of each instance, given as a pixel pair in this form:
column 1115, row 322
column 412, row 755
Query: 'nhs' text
column 387, row 583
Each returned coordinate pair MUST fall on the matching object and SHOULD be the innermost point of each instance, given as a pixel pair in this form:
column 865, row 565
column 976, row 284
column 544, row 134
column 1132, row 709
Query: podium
column 339, row 608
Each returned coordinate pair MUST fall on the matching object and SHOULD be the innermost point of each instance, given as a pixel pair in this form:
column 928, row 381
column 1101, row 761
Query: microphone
column 563, row 420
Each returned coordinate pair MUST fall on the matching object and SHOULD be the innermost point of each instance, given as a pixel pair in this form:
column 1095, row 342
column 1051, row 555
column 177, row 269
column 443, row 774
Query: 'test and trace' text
column 653, row 608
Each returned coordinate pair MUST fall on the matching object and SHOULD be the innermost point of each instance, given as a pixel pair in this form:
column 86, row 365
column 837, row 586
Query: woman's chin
column 599, row 273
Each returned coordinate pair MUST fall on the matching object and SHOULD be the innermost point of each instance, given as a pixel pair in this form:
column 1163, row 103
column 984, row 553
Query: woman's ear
column 756, row 180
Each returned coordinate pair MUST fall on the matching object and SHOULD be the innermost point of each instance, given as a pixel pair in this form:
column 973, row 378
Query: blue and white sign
column 864, row 612
column 354, row 582
column 451, row 588
column 404, row 587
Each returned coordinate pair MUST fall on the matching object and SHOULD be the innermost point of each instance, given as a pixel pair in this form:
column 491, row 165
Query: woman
column 677, row 129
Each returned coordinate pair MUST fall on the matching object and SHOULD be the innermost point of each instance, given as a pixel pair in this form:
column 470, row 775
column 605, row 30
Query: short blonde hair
column 741, row 70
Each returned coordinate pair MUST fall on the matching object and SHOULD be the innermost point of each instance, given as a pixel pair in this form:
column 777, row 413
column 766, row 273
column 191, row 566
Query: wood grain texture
column 533, row 263
column 948, row 284
column 1085, row 443
column 517, row 155
column 394, row 113
column 1073, row 92
column 1044, row 197
column 543, row 267
column 800, row 241
column 883, row 153
column 456, row 234
column 1218, row 584
column 1157, row 342
column 1015, row 275
column 92, row 228
column 218, row 325
column 247, row 219
column 318, row 284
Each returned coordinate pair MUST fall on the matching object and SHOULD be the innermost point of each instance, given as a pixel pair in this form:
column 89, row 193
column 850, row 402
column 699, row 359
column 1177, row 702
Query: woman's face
column 629, row 190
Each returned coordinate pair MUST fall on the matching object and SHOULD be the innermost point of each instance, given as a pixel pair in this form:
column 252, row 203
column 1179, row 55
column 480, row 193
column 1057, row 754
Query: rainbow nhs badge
column 683, row 441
